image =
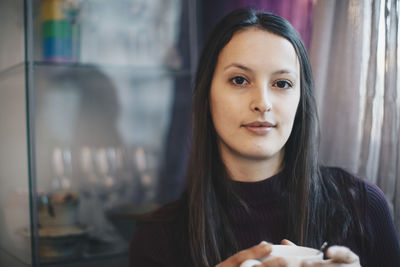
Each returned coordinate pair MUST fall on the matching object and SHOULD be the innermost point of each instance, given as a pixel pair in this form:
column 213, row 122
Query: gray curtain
column 355, row 57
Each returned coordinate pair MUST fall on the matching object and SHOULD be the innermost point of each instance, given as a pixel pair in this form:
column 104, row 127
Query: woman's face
column 255, row 92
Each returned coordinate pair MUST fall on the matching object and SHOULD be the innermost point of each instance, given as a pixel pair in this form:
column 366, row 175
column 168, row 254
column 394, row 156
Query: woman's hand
column 338, row 256
column 261, row 250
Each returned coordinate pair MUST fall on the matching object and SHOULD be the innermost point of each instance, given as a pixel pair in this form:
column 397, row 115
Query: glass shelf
column 11, row 69
column 96, row 131
column 143, row 71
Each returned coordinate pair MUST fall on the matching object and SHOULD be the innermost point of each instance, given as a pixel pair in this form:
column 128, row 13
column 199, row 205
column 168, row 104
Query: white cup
column 293, row 255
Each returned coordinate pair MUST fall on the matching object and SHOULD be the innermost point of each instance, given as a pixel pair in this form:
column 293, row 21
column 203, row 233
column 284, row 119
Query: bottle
column 60, row 30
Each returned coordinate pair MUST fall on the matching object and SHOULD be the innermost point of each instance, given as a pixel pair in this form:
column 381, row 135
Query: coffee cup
column 293, row 255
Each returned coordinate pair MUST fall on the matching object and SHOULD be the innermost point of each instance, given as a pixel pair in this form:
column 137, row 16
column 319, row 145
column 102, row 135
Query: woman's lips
column 259, row 127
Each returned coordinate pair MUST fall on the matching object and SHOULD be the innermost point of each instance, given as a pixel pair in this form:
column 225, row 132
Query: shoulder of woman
column 165, row 213
column 359, row 188
column 344, row 179
column 367, row 202
column 154, row 237
column 380, row 231
column 149, row 244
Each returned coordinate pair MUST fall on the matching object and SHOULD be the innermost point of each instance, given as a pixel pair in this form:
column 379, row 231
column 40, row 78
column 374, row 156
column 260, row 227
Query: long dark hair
column 209, row 187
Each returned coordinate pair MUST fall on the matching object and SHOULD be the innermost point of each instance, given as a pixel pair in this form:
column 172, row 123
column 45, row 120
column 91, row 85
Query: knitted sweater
column 155, row 244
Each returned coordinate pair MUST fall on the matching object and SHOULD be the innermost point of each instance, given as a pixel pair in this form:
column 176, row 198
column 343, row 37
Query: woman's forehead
column 259, row 48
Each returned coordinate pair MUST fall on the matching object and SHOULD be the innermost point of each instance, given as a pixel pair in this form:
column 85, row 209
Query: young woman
column 253, row 173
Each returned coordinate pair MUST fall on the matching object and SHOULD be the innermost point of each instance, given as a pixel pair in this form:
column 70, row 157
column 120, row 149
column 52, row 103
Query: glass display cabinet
column 95, row 122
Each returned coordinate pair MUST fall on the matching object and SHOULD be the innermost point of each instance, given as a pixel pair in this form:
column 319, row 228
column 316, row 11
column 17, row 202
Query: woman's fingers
column 342, row 254
column 261, row 250
column 338, row 256
column 287, row 242
column 328, row 263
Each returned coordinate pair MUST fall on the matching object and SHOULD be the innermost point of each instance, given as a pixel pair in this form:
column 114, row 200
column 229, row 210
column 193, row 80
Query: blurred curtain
column 355, row 57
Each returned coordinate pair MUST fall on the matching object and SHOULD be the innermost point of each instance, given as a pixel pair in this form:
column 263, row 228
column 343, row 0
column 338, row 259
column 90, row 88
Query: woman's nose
column 261, row 101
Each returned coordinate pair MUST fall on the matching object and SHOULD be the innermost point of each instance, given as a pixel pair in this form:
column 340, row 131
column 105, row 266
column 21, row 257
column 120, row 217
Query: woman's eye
column 283, row 84
column 239, row 80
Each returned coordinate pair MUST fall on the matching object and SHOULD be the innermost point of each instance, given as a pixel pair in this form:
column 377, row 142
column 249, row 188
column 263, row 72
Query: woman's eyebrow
column 285, row 71
column 240, row 66
column 237, row 65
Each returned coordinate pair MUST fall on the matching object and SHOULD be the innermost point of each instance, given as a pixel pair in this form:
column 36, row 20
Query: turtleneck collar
column 268, row 190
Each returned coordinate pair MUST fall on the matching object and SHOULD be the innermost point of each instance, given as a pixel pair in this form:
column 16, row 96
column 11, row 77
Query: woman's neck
column 245, row 169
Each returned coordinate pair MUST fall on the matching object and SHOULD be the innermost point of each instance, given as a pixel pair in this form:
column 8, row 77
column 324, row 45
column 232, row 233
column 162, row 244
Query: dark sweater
column 155, row 244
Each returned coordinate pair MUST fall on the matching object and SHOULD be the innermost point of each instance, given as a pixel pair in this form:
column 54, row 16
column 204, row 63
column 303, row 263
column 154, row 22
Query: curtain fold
column 397, row 64
column 365, row 167
column 358, row 90
column 336, row 53
column 390, row 128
